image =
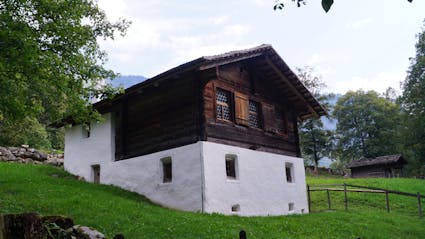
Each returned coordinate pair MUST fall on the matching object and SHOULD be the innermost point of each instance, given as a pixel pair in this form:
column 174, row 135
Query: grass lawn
column 51, row 191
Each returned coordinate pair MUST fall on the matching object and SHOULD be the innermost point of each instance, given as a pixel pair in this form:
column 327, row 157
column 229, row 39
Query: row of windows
column 245, row 111
column 231, row 169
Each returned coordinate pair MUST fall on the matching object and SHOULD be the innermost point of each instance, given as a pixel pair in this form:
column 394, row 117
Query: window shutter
column 269, row 118
column 241, row 108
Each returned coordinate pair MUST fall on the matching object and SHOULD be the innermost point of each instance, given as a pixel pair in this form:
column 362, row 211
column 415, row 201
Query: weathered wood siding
column 159, row 117
column 243, row 79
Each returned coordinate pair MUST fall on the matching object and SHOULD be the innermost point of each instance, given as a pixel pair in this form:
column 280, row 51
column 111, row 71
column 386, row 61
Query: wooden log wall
column 159, row 117
column 243, row 78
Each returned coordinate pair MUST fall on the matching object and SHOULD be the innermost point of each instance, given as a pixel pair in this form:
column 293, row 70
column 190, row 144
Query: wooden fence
column 348, row 188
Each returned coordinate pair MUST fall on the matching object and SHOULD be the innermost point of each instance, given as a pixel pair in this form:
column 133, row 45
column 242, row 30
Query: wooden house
column 383, row 166
column 216, row 134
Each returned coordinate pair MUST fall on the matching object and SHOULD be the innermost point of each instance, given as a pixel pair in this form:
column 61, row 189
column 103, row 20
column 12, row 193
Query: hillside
column 49, row 190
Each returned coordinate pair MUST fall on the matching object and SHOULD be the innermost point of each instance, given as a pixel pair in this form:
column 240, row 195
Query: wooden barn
column 383, row 166
column 216, row 134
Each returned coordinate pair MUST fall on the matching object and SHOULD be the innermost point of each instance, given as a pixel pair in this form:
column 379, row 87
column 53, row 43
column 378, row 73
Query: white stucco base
column 199, row 181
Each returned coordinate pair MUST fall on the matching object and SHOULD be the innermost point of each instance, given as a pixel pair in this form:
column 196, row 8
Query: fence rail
column 359, row 189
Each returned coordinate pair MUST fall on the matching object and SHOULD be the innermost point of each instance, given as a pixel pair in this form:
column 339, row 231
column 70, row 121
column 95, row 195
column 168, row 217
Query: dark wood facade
column 179, row 107
column 383, row 167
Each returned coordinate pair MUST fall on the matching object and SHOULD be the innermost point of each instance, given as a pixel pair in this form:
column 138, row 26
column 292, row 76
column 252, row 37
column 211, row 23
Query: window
column 86, row 130
column 254, row 114
column 291, row 207
column 236, row 208
column 167, row 170
column 223, row 105
column 289, row 168
column 281, row 123
column 231, row 166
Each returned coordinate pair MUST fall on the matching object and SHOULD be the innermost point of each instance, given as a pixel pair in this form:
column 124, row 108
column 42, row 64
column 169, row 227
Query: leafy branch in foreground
column 326, row 4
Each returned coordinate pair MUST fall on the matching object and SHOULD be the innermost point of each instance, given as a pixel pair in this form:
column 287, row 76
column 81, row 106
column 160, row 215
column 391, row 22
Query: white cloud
column 360, row 23
column 378, row 82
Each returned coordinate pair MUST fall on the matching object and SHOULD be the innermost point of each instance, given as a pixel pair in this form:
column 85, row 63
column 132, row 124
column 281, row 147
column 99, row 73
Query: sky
column 358, row 44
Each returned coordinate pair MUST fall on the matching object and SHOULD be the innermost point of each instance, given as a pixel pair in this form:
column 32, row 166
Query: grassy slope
column 47, row 190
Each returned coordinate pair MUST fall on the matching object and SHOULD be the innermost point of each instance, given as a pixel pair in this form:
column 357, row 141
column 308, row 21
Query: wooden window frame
column 289, row 173
column 231, row 166
column 229, row 105
column 258, row 114
column 284, row 121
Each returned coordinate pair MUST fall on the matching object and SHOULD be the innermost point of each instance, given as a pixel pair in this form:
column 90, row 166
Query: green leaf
column 327, row 4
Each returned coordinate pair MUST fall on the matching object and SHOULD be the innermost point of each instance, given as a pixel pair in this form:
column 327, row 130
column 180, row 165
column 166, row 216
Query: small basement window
column 167, row 170
column 236, row 208
column 291, row 207
column 86, row 130
column 231, row 166
column 289, row 170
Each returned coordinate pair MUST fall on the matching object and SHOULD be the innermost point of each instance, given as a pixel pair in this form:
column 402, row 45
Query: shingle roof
column 381, row 160
column 283, row 76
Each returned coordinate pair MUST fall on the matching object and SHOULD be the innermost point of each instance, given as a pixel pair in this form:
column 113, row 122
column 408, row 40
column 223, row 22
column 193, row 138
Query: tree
column 413, row 104
column 368, row 125
column 315, row 140
column 326, row 4
column 50, row 62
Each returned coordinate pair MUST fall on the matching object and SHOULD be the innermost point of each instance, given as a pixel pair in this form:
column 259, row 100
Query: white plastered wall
column 199, row 174
column 260, row 188
column 82, row 152
column 143, row 174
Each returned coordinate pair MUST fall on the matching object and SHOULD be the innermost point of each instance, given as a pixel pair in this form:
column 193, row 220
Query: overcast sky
column 358, row 44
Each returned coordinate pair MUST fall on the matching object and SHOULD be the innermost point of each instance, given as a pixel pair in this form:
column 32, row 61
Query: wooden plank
column 290, row 85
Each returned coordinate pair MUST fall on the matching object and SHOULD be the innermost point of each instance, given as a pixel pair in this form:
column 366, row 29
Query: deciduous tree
column 50, row 62
column 368, row 125
column 315, row 140
column 413, row 104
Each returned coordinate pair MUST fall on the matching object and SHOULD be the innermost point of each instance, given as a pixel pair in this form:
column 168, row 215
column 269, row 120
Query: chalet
column 383, row 166
column 216, row 134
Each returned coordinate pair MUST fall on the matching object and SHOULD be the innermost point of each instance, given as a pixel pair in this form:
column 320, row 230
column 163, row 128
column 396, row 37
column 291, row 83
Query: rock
column 62, row 221
column 26, row 225
column 6, row 155
column 25, row 146
column 31, row 150
column 87, row 232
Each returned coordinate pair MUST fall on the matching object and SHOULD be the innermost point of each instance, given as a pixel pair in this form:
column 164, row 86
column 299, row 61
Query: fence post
column 309, row 198
column 387, row 200
column 345, row 197
column 242, row 234
column 419, row 205
column 329, row 199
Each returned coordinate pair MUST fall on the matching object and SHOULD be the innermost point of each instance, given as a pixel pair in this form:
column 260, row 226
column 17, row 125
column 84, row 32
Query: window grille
column 223, row 105
column 254, row 114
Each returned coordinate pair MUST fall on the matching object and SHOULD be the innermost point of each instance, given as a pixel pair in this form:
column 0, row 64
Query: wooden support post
column 387, row 200
column 345, row 197
column 329, row 199
column 419, row 205
column 309, row 198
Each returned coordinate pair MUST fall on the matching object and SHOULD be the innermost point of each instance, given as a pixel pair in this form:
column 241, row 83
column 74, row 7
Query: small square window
column 231, row 166
column 167, row 170
column 289, row 170
column 236, row 208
